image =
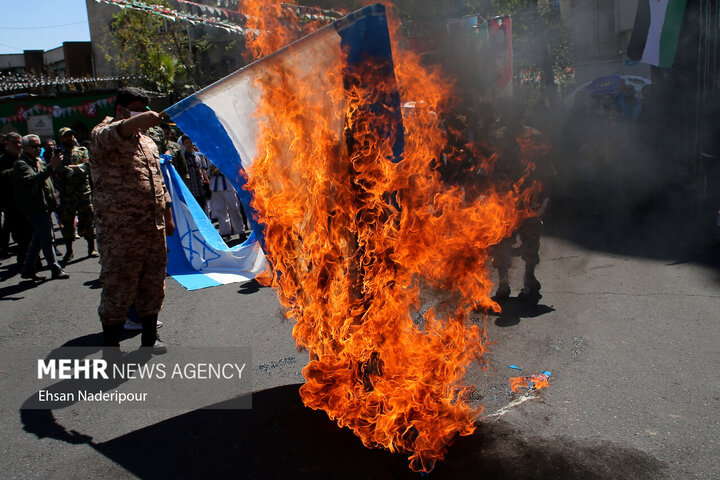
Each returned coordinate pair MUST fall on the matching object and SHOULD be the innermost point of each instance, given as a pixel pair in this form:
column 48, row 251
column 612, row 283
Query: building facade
column 221, row 52
column 600, row 30
column 71, row 59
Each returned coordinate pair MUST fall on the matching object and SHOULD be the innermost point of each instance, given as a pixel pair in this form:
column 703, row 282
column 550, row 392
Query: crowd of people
column 71, row 185
column 110, row 192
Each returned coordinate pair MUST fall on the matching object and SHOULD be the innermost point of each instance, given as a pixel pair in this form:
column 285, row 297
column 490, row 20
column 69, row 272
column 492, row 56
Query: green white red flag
column 656, row 32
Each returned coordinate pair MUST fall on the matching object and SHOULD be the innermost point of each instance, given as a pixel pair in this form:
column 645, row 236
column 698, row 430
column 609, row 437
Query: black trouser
column 244, row 215
column 42, row 239
column 4, row 232
column 21, row 230
column 202, row 201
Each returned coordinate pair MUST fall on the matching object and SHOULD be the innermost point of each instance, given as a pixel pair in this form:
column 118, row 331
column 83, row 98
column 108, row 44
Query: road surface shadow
column 279, row 438
column 514, row 309
column 41, row 422
column 12, row 292
column 250, row 287
column 9, row 270
column 665, row 232
column 93, row 284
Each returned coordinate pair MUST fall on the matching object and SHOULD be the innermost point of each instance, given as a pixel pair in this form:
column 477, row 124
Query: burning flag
column 358, row 228
column 533, row 382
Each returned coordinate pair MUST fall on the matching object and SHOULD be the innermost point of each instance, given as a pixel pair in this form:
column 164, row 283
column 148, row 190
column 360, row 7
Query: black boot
column 111, row 335
column 33, row 276
column 150, row 337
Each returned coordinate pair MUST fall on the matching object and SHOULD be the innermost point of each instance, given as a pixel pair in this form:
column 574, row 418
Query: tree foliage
column 173, row 57
column 147, row 46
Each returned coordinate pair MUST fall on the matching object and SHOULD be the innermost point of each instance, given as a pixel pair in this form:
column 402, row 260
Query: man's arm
column 142, row 122
column 23, row 173
column 118, row 132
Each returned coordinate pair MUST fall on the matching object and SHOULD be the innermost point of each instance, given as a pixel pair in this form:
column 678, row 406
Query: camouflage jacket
column 157, row 135
column 73, row 178
column 130, row 192
column 178, row 161
column 171, row 148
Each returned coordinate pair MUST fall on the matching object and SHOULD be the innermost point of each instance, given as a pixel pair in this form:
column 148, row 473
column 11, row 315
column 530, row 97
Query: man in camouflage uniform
column 133, row 216
column 73, row 184
column 522, row 162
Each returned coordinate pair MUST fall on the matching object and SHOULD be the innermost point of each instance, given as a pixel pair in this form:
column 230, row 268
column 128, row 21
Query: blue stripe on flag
column 195, row 281
column 205, row 129
column 366, row 34
column 365, row 38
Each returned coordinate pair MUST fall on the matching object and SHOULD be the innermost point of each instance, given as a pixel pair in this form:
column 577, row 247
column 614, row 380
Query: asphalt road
column 630, row 334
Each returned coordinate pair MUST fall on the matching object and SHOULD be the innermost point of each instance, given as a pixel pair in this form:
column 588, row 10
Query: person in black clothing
column 14, row 222
column 35, row 198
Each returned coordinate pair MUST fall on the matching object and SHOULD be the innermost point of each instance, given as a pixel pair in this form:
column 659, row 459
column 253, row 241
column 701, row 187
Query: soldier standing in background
column 166, row 140
column 73, row 184
column 522, row 154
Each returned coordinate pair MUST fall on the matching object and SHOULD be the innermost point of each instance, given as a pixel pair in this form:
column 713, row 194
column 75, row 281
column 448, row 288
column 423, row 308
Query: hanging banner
column 22, row 115
column 41, row 125
column 656, row 32
column 501, row 53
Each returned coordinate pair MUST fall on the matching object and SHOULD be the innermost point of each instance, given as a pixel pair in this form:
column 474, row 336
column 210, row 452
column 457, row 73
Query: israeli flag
column 197, row 255
column 221, row 118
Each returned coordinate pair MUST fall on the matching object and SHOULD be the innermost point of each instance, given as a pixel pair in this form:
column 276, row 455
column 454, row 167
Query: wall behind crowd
column 44, row 116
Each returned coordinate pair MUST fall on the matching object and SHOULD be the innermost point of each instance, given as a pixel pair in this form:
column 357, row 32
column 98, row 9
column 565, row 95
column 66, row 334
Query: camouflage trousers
column 82, row 207
column 529, row 233
column 133, row 269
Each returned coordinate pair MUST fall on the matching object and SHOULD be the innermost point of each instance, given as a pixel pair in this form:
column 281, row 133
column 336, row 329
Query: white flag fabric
column 221, row 118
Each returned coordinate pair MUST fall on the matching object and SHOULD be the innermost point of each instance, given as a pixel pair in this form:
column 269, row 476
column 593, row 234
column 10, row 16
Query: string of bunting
column 9, row 83
column 303, row 13
column 214, row 11
column 89, row 109
column 314, row 13
column 228, row 20
column 173, row 15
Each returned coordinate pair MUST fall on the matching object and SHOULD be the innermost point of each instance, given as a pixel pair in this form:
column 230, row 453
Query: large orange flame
column 356, row 241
